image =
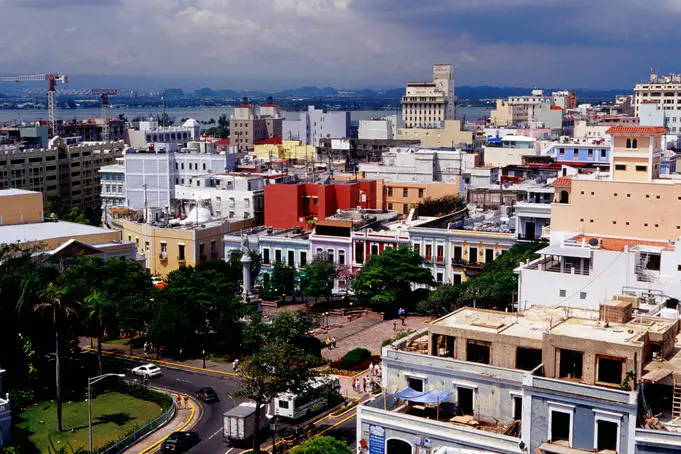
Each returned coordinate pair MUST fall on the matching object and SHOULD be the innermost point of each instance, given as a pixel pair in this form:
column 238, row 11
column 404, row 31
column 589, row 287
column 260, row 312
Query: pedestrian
column 394, row 325
column 333, row 341
column 178, row 399
column 328, row 342
column 364, row 384
column 403, row 319
column 186, row 401
column 235, row 365
column 354, row 384
column 146, row 347
column 371, row 368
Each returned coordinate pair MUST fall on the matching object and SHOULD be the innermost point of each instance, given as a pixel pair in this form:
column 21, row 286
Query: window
column 291, row 260
column 489, row 255
column 405, row 192
column 390, row 206
column 405, row 209
column 590, row 154
column 570, row 364
column 458, row 252
column 420, row 193
column 429, row 252
column 582, row 295
column 341, row 257
column 641, row 168
column 180, row 252
column 607, row 434
column 204, row 166
column 477, row 351
column 603, row 154
column 266, row 256
column 464, row 400
column 527, row 358
column 560, row 426
column 438, row 278
column 472, row 255
column 417, row 248
column 374, row 249
column 610, row 370
column 319, row 253
column 628, row 144
column 634, row 143
column 440, row 253
column 330, row 254
column 213, row 249
column 620, row 167
column 390, row 192
column 303, row 258
column 359, row 252
column 277, row 256
column 283, row 404
column 457, row 279
column 415, row 383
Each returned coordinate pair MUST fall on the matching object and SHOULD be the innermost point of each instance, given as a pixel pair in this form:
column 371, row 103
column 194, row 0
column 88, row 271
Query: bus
column 292, row 406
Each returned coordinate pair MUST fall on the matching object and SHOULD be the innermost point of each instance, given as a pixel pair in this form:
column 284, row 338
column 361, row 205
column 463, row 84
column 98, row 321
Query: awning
column 655, row 376
column 566, row 251
column 433, row 396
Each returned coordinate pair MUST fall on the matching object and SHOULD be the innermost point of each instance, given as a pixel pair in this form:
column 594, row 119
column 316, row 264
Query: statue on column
column 246, row 266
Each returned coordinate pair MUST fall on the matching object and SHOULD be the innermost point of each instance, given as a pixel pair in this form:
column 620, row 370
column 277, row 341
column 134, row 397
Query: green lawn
column 113, row 414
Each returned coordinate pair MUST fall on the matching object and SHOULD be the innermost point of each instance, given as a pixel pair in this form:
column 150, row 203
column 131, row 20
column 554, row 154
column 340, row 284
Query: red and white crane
column 52, row 79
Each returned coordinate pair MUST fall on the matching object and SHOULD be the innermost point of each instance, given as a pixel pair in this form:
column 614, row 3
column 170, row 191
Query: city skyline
column 268, row 44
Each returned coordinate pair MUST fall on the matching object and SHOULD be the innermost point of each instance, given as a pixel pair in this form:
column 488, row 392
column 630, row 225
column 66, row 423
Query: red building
column 296, row 205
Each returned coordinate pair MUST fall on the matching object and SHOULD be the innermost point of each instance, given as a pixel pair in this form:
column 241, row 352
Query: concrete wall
column 452, row 134
column 20, row 208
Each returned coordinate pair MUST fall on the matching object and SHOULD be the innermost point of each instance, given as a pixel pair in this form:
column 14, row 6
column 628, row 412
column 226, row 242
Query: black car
column 207, row 394
column 180, row 442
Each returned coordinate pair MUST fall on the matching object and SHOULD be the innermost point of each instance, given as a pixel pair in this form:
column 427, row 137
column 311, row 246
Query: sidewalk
column 217, row 367
column 185, row 419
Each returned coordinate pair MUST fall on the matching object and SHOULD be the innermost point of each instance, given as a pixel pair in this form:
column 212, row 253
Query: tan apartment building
column 167, row 248
column 22, row 222
column 630, row 202
column 402, row 196
column 451, row 134
column 662, row 90
column 68, row 172
column 246, row 128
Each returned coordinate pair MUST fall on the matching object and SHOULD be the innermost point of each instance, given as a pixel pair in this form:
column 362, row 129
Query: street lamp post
column 90, row 382
column 204, row 358
column 273, row 428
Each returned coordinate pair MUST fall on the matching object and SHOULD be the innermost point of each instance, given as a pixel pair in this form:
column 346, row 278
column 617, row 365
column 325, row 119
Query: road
column 210, row 425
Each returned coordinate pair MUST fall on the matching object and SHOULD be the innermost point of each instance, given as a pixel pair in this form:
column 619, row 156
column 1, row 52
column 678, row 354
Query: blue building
column 581, row 153
column 546, row 381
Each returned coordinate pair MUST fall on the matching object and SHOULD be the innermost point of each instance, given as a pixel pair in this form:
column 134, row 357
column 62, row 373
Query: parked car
column 147, row 370
column 207, row 394
column 179, row 442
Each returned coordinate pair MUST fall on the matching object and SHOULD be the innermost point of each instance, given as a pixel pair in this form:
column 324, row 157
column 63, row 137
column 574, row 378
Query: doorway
column 464, row 400
column 395, row 446
column 530, row 231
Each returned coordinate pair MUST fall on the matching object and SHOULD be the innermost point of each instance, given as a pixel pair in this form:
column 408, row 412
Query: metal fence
column 143, row 431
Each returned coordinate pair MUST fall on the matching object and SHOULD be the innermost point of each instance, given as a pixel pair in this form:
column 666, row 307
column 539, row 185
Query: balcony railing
column 466, row 263
column 214, row 254
column 181, row 260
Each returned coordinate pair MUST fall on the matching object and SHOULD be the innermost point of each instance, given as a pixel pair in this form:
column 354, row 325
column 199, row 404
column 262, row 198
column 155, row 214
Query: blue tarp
column 493, row 140
column 433, row 396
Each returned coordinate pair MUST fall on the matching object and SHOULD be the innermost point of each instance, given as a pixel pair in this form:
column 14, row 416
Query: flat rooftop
column 569, row 322
column 43, row 231
column 12, row 191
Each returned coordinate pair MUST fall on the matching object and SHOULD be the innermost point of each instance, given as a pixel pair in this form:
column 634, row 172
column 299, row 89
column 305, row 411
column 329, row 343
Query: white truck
column 239, row 422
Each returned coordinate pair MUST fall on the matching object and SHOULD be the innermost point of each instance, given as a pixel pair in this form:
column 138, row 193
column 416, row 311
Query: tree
column 445, row 299
column 99, row 312
column 322, row 445
column 440, row 206
column 316, row 279
column 51, row 301
column 388, row 278
column 277, row 365
column 283, row 279
column 165, row 119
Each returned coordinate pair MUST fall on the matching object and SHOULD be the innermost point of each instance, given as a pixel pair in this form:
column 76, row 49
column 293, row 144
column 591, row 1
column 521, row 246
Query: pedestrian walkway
column 369, row 336
column 186, row 417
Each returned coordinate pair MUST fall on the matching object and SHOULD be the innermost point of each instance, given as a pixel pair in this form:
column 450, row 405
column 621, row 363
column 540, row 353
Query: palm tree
column 98, row 309
column 50, row 300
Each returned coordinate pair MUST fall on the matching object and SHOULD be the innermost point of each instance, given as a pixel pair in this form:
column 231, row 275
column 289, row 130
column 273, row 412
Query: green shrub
column 354, row 357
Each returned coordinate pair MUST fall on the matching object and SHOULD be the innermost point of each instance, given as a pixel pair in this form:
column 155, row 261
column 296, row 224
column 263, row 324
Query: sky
column 271, row 44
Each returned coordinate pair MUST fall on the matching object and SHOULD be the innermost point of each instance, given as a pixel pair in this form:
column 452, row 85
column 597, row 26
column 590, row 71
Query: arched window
column 564, row 197
column 396, row 446
column 634, row 144
column 628, row 143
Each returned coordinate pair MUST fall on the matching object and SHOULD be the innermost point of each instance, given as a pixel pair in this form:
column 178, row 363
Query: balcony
column 181, row 260
column 214, row 254
column 459, row 262
column 163, row 257
column 565, row 265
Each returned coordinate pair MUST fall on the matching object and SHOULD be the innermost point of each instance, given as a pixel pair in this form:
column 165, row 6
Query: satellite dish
column 593, row 242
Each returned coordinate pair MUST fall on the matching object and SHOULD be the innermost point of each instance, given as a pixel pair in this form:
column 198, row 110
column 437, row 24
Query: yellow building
column 451, row 135
column 167, row 248
column 402, row 196
column 631, row 202
column 288, row 149
column 21, row 222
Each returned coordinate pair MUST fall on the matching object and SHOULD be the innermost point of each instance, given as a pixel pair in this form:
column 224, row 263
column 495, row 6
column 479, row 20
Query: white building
column 151, row 177
column 662, row 90
column 429, row 104
column 231, row 196
column 510, row 150
column 315, row 124
column 378, row 128
column 168, row 138
column 420, row 165
column 113, row 186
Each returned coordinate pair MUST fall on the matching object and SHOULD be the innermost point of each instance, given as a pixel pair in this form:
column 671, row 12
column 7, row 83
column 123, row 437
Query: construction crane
column 52, row 79
column 102, row 93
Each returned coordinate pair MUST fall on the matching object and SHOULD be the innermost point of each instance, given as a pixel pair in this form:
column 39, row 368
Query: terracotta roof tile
column 637, row 130
column 562, row 181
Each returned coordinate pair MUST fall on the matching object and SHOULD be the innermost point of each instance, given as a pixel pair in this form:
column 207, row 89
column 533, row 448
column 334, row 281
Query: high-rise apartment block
column 314, row 125
column 662, row 90
column 70, row 173
column 429, row 104
column 246, row 127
